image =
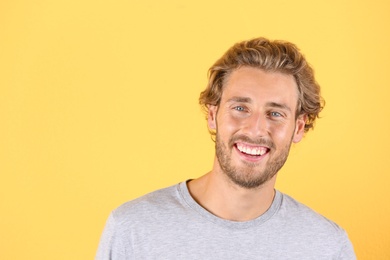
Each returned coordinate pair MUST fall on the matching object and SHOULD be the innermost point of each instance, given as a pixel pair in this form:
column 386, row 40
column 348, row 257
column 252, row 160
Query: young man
column 261, row 97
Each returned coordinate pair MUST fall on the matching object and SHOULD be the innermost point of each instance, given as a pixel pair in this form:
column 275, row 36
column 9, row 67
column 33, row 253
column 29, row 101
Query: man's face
column 255, row 124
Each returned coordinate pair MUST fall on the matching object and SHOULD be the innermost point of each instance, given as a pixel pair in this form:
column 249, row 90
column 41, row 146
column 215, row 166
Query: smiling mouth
column 256, row 151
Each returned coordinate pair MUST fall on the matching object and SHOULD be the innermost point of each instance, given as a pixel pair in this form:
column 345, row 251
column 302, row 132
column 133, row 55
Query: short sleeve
column 347, row 252
column 110, row 245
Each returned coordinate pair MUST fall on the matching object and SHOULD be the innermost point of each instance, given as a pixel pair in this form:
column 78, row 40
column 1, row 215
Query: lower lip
column 251, row 158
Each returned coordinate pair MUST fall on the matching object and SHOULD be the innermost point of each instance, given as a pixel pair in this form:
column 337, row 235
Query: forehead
column 260, row 85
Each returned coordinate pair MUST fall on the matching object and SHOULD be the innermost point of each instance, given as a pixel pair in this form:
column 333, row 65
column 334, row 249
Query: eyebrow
column 240, row 99
column 249, row 100
column 278, row 105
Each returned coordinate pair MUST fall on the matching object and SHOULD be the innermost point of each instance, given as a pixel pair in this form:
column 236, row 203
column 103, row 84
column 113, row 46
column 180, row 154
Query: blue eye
column 239, row 108
column 275, row 114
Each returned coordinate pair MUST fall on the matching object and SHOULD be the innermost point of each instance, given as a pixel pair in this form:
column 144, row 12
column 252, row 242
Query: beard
column 249, row 176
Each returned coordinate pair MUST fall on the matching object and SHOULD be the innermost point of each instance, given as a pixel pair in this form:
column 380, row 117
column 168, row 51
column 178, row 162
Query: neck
column 220, row 196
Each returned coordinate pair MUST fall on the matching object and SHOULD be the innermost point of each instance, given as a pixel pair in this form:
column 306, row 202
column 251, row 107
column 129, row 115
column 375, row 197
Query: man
column 261, row 97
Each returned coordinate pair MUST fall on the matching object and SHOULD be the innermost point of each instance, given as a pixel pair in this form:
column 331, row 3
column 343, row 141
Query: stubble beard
column 248, row 176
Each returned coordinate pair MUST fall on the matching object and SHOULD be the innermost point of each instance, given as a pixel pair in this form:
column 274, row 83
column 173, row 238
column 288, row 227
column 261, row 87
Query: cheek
column 229, row 124
column 282, row 134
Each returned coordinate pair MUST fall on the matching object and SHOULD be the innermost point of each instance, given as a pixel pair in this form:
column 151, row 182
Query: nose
column 257, row 125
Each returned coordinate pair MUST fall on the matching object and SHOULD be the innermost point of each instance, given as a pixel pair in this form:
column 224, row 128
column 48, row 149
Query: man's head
column 270, row 56
column 261, row 97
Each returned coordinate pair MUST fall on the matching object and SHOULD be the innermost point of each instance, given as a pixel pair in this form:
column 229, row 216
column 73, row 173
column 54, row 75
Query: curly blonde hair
column 273, row 56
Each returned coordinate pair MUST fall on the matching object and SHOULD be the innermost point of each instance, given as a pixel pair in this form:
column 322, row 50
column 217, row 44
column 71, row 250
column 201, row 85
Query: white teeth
column 252, row 151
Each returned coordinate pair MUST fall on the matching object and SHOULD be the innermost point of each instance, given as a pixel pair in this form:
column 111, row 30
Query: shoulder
column 304, row 218
column 319, row 232
column 148, row 206
column 132, row 218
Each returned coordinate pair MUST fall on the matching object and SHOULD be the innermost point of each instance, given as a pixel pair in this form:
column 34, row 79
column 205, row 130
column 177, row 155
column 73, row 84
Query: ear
column 299, row 128
column 211, row 117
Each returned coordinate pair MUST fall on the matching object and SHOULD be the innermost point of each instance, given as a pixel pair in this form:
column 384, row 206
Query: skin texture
column 256, row 115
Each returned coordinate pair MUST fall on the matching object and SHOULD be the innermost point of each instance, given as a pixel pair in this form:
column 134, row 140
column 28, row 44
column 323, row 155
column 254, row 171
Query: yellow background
column 98, row 105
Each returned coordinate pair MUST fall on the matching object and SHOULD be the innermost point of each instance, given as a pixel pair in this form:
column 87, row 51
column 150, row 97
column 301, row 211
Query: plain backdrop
column 99, row 105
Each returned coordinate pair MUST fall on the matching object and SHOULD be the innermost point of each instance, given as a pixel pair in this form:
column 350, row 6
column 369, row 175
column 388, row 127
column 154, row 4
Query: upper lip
column 252, row 144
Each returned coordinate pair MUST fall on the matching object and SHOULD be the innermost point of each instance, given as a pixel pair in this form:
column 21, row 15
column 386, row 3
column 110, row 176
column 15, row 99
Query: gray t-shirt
column 170, row 224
